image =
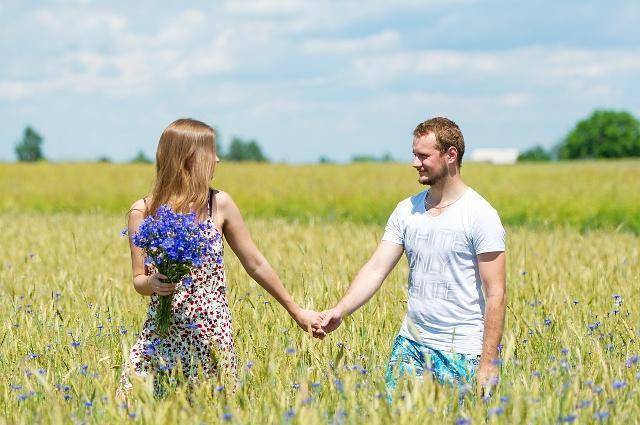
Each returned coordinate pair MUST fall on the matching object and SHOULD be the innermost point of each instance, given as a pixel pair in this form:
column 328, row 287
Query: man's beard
column 433, row 179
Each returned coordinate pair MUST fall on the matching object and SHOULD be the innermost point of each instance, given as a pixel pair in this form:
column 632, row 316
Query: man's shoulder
column 412, row 202
column 478, row 202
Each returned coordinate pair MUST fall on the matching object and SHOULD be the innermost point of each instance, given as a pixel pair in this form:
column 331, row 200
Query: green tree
column 536, row 153
column 605, row 134
column 29, row 148
column 241, row 150
column 141, row 158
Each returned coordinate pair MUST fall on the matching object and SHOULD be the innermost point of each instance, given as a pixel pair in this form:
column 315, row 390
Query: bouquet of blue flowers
column 174, row 243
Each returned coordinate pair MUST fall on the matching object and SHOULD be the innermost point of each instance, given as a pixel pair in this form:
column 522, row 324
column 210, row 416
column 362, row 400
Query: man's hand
column 487, row 378
column 330, row 320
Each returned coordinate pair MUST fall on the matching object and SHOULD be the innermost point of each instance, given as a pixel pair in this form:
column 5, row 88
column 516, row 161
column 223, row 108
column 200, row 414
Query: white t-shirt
column 445, row 298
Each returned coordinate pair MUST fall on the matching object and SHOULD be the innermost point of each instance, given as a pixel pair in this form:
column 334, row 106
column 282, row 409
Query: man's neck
column 446, row 190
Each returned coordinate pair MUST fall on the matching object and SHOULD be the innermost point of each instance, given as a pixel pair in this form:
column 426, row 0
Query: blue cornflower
column 602, row 415
column 618, row 384
column 632, row 360
column 290, row 351
column 15, row 387
column 535, row 374
column 496, row 411
column 583, row 404
column 32, row 356
column 570, row 418
column 88, row 403
column 547, row 322
column 75, row 344
column 295, row 386
column 187, row 282
column 565, row 351
column 289, row 414
column 463, row 421
column 227, row 417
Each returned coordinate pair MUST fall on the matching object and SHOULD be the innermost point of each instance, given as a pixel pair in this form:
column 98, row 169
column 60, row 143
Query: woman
column 200, row 336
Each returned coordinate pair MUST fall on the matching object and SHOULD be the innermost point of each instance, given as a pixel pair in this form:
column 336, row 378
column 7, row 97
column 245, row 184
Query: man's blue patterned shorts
column 410, row 359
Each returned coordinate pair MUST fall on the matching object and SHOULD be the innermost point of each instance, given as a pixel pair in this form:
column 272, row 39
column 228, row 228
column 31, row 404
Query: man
column 454, row 243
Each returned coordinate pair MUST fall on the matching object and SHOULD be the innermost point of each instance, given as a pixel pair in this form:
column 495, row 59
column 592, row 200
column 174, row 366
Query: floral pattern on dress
column 200, row 338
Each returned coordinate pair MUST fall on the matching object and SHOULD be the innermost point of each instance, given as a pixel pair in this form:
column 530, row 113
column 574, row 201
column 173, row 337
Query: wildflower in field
column 601, row 415
column 569, row 419
column 496, row 411
column 583, row 404
column 227, row 417
column 290, row 351
column 88, row 404
column 565, row 351
column 289, row 414
column 618, row 384
column 547, row 322
column 632, row 361
column 75, row 344
column 463, row 421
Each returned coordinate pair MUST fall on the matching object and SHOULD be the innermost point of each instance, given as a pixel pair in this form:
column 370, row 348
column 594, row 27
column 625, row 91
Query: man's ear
column 452, row 154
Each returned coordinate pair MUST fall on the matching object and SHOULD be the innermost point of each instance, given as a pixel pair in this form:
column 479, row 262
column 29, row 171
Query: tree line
column 604, row 134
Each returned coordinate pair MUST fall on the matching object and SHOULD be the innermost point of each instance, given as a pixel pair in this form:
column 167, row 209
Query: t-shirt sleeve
column 487, row 232
column 394, row 230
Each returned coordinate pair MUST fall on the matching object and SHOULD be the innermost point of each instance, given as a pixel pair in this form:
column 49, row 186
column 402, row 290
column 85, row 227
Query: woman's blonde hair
column 185, row 161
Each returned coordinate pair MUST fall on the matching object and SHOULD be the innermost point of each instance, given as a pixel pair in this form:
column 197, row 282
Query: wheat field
column 70, row 313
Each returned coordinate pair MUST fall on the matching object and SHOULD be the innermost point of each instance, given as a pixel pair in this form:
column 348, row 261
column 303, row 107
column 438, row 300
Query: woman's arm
column 239, row 239
column 143, row 284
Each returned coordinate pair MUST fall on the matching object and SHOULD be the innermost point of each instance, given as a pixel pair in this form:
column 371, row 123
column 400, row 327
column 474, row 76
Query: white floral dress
column 200, row 339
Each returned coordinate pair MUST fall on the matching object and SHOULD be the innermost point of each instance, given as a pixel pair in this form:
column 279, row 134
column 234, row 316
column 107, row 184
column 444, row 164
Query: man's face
column 430, row 163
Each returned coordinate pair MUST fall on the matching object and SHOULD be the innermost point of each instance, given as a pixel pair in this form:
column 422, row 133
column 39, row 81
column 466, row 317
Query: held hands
column 319, row 324
column 322, row 323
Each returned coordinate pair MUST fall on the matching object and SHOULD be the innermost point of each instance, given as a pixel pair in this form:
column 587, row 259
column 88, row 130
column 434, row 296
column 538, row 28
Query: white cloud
column 382, row 41
column 77, row 22
column 543, row 66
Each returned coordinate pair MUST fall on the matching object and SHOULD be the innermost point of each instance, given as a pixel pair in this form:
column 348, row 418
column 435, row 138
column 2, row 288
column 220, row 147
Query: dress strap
column 212, row 205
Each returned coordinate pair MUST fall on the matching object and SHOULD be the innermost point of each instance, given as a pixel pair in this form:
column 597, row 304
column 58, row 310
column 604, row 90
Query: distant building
column 495, row 156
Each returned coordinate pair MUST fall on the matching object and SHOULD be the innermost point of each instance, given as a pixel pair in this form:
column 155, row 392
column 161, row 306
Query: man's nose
column 416, row 162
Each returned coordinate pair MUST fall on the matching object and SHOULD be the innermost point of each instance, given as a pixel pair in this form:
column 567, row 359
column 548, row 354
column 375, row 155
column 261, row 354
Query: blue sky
column 311, row 78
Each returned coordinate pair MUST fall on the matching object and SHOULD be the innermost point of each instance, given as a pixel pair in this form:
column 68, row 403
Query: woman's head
column 185, row 161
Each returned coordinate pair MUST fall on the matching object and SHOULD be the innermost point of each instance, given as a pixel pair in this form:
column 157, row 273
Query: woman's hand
column 306, row 319
column 158, row 286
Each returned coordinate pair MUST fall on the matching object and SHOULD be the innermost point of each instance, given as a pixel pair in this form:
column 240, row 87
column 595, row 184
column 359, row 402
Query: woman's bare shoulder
column 223, row 199
column 138, row 208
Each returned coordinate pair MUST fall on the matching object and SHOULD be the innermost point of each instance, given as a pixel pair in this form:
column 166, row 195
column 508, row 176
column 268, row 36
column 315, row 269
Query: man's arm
column 492, row 272
column 364, row 285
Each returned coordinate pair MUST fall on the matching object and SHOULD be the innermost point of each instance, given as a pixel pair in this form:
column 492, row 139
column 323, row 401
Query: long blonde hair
column 185, row 161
